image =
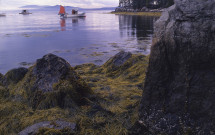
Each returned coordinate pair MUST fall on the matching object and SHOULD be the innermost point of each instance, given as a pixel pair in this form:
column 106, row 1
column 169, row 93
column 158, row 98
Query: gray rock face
column 49, row 70
column 179, row 90
column 57, row 125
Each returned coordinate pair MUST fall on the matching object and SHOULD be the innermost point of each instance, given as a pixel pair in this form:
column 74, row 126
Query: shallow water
column 25, row 38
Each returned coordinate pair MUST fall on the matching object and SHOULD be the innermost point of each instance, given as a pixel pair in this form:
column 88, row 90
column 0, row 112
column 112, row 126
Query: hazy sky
column 8, row 4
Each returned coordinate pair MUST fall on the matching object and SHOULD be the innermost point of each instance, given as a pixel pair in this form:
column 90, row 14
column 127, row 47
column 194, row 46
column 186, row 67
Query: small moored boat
column 2, row 14
column 25, row 12
column 75, row 13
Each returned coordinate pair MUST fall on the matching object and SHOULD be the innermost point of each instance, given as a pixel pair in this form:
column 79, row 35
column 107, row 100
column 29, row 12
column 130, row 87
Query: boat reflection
column 69, row 21
column 137, row 26
column 63, row 24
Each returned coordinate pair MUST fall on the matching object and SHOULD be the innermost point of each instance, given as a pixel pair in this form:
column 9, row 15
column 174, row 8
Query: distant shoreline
column 138, row 13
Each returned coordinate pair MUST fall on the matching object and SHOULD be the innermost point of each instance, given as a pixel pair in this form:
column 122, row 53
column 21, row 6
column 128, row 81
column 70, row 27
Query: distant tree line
column 138, row 4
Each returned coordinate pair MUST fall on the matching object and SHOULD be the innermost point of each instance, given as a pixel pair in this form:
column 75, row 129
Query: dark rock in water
column 52, row 82
column 60, row 127
column 179, row 91
column 14, row 76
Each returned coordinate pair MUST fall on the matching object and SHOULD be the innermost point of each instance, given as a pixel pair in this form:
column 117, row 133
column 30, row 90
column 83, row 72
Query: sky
column 14, row 4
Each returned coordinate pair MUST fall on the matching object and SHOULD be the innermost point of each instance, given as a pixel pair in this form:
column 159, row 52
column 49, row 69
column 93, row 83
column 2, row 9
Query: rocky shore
column 170, row 92
column 51, row 97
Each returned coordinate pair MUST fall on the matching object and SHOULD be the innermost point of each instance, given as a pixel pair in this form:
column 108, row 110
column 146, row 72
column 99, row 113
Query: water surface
column 25, row 38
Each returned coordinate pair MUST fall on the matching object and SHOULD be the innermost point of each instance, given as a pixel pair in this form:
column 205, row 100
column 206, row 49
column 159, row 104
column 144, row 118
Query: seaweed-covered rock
column 4, row 93
column 48, row 127
column 179, row 90
column 49, row 70
column 1, row 78
column 126, row 66
column 115, row 63
column 52, row 82
column 14, row 76
column 119, row 59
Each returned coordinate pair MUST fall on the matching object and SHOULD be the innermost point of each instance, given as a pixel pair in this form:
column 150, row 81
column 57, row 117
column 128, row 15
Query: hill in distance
column 56, row 7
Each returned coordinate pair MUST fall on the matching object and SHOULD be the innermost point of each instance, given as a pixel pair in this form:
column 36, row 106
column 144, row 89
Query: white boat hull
column 74, row 16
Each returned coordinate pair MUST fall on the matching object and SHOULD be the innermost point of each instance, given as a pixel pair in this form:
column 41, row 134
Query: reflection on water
column 139, row 27
column 63, row 24
column 96, row 38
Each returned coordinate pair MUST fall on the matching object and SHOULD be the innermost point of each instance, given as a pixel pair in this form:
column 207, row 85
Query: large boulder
column 179, row 90
column 52, row 82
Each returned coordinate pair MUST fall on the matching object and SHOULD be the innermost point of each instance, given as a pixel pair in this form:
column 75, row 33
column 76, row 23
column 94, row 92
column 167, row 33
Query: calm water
column 23, row 39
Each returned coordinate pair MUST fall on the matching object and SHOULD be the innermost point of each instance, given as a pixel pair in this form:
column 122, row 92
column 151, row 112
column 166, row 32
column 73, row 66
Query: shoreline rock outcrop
column 51, row 82
column 179, row 90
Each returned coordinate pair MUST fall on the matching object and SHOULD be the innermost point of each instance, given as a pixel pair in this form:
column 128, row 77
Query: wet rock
column 179, row 91
column 14, row 76
column 56, row 126
column 52, row 82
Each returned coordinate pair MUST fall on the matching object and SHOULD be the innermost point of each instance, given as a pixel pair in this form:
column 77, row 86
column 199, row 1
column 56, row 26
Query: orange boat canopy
column 62, row 10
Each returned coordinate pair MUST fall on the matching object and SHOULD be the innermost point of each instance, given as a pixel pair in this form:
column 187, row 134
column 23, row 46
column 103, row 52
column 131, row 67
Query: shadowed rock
column 179, row 91
column 1, row 78
column 52, row 82
column 54, row 127
column 14, row 76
